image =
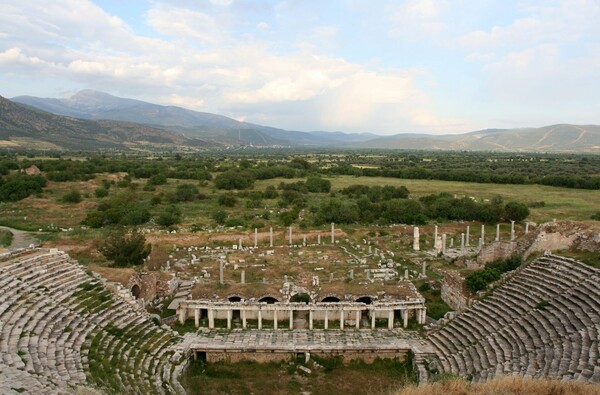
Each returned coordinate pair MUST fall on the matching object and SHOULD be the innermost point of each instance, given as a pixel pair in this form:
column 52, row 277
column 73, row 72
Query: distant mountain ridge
column 219, row 130
column 25, row 127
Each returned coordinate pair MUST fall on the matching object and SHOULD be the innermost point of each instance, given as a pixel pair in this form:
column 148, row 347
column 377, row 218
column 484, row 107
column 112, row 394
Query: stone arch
column 136, row 291
column 269, row 299
column 330, row 299
column 234, row 298
column 366, row 299
column 300, row 297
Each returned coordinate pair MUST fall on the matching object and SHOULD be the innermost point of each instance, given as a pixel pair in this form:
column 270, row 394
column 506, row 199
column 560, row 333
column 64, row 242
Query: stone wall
column 266, row 356
column 454, row 291
column 151, row 285
column 499, row 250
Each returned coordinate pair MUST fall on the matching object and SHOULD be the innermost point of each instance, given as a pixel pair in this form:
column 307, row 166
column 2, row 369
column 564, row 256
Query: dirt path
column 21, row 239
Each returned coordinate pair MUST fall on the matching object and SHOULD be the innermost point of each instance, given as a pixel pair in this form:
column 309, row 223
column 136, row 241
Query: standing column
column 243, row 313
column 467, row 237
column 310, row 319
column 243, row 277
column 290, row 235
column 443, row 244
column 326, row 319
column 405, row 317
column 497, row 232
column 332, row 233
column 391, row 319
column 319, row 239
column 482, row 234
column 416, row 238
column 221, row 272
column 435, row 236
column 255, row 237
column 357, row 321
column 424, row 269
column 342, row 320
column 259, row 319
column 182, row 315
column 274, row 319
column 211, row 318
column 291, row 319
column 271, row 236
column 372, row 319
column 512, row 230
column 462, row 244
column 526, row 228
column 304, row 241
column 197, row 318
column 229, row 314
column 240, row 244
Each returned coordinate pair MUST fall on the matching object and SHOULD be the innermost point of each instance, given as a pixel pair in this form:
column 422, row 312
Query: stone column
column 342, row 320
column 467, row 236
column 424, row 269
column 211, row 318
column 326, row 319
column 259, row 319
column 291, row 319
column 435, row 235
column 451, row 242
column 482, row 234
column 443, row 244
column 372, row 319
column 274, row 319
column 416, row 238
column 182, row 315
column 243, row 314
column 221, row 272
column 197, row 318
column 304, row 241
column 357, row 321
column 290, row 235
column 255, row 237
column 526, row 228
column 319, row 239
column 310, row 319
column 240, row 244
column 497, row 232
column 462, row 244
column 405, row 317
column 406, row 274
column 243, row 277
column 351, row 274
column 229, row 316
column 332, row 233
column 512, row 230
column 271, row 237
column 391, row 319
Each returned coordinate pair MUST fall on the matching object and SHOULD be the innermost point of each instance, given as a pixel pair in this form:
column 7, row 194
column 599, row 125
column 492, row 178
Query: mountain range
column 95, row 120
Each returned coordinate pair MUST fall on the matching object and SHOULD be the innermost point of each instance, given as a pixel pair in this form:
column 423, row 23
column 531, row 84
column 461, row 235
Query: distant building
column 32, row 170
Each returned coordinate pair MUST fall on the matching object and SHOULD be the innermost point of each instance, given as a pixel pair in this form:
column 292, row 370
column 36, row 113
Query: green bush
column 125, row 249
column 71, row 197
column 101, row 192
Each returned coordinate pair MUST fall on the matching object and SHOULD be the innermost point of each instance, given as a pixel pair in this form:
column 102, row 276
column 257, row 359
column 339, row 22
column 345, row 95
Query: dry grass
column 504, row 386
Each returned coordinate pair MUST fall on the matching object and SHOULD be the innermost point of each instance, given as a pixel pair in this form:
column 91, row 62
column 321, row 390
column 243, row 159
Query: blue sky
column 386, row 67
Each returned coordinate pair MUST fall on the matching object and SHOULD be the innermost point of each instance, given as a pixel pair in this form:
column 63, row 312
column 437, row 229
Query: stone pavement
column 316, row 340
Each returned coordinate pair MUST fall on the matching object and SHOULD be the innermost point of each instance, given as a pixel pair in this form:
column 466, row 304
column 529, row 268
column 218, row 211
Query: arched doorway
column 331, row 299
column 135, row 291
column 268, row 300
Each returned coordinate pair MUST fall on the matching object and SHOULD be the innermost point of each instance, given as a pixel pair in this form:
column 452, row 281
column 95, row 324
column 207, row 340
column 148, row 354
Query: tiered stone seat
column 53, row 316
column 543, row 322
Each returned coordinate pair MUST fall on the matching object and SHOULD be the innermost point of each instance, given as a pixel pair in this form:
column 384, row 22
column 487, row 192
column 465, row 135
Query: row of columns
column 420, row 316
column 290, row 237
column 464, row 239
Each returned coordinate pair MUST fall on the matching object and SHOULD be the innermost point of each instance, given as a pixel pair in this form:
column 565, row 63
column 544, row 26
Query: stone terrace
column 60, row 328
column 543, row 323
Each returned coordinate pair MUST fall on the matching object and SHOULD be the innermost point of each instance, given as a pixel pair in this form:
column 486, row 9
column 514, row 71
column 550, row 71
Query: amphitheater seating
column 60, row 328
column 542, row 323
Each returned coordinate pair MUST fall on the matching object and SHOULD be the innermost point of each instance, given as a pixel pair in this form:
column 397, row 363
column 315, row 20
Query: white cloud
column 185, row 23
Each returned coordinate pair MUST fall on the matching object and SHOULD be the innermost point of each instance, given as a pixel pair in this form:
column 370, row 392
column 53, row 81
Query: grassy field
column 379, row 378
column 560, row 203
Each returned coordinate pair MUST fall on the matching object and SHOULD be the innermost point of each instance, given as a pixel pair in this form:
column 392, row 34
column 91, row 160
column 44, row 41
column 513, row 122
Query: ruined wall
column 499, row 250
column 151, row 285
column 367, row 356
column 454, row 291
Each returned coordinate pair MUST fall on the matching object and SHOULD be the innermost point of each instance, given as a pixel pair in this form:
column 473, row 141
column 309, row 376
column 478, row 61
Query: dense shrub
column 71, row 197
column 234, row 179
column 125, row 249
column 19, row 186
